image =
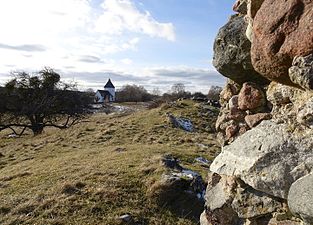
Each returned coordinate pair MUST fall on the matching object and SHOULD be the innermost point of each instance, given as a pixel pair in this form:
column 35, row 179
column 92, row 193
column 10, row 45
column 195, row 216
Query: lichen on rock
column 264, row 172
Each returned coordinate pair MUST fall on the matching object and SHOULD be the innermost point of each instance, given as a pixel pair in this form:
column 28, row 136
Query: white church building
column 106, row 95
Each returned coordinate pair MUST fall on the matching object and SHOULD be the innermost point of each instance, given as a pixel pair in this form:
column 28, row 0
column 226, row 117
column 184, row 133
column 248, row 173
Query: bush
column 39, row 101
column 133, row 93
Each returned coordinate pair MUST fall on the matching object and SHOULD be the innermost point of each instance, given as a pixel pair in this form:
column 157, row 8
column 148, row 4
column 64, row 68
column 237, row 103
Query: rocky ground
column 264, row 172
column 127, row 167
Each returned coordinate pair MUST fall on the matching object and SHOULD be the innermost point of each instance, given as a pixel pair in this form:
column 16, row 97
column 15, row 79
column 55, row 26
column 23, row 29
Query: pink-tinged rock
column 253, row 120
column 243, row 128
column 282, row 30
column 231, row 131
column 236, row 114
column 251, row 97
column 230, row 89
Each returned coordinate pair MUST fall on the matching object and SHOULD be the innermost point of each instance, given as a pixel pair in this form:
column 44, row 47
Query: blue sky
column 154, row 43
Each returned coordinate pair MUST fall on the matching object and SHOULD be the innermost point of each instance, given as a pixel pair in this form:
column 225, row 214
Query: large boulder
column 300, row 198
column 232, row 52
column 269, row 158
column 287, row 34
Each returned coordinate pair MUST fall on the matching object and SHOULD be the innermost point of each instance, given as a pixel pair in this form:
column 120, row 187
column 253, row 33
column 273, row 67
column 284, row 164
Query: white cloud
column 122, row 15
column 194, row 79
column 57, row 33
column 127, row 61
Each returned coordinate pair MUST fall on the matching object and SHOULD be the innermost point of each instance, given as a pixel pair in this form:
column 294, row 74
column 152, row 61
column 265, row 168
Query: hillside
column 102, row 168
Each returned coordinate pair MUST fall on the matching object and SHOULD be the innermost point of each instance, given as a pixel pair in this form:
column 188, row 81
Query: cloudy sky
column 154, row 43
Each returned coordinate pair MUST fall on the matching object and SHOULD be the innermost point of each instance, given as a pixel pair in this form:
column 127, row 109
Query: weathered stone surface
column 231, row 131
column 203, row 219
column 276, row 40
column 240, row 6
column 279, row 94
column 251, row 97
column 249, row 203
column 220, row 191
column 300, row 198
column 219, row 195
column 273, row 221
column 253, row 7
column 249, row 31
column 256, row 158
column 233, row 103
column 223, row 216
column 301, row 72
column 305, row 114
column 249, row 7
column 232, row 52
column 231, row 88
column 255, row 119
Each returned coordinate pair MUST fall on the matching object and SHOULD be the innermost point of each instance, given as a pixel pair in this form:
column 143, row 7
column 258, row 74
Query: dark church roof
column 109, row 84
column 104, row 93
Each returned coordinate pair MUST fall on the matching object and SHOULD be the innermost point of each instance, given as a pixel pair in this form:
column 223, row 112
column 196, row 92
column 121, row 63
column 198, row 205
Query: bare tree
column 38, row 101
column 178, row 88
column 156, row 92
column 214, row 93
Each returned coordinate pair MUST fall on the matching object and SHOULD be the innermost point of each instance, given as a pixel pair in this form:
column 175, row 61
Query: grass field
column 101, row 168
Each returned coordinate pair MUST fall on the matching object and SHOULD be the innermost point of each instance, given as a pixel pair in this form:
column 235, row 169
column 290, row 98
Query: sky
column 153, row 43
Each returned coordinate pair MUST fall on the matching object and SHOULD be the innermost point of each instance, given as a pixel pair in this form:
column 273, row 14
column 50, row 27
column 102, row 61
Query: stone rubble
column 264, row 173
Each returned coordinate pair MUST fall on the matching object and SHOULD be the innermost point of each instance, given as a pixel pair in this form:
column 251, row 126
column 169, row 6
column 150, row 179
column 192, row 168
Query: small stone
column 236, row 115
column 251, row 97
column 300, row 199
column 204, row 162
column 171, row 162
column 255, row 119
column 233, row 102
column 203, row 219
column 126, row 218
column 231, row 131
column 243, row 128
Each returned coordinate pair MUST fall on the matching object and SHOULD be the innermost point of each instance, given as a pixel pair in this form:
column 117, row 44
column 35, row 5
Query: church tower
column 110, row 88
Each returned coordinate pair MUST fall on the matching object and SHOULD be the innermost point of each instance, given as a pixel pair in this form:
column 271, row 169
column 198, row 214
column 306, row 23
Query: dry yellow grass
column 98, row 170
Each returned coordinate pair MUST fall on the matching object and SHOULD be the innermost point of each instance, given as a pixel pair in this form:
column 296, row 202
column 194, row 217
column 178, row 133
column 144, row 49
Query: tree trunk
column 37, row 125
column 37, row 129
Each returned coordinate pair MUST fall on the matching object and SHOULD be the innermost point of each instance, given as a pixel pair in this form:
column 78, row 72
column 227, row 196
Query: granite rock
column 276, row 40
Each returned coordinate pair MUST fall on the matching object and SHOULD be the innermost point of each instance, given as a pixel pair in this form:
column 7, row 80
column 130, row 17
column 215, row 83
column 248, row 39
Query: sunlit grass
column 100, row 169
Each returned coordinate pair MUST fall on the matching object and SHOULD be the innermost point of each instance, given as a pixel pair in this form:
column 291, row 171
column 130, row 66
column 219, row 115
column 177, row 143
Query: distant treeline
column 134, row 93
